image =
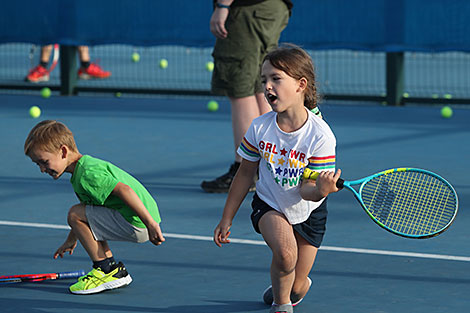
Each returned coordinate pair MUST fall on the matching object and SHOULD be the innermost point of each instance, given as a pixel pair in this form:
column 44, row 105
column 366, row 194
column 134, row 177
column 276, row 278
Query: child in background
column 87, row 70
column 113, row 205
column 289, row 212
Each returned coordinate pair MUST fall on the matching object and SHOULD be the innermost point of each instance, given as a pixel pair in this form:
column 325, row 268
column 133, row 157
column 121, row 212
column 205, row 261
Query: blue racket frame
column 362, row 182
column 309, row 174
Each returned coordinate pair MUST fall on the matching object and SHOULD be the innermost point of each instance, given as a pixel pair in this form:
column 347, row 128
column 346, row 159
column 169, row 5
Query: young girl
column 289, row 212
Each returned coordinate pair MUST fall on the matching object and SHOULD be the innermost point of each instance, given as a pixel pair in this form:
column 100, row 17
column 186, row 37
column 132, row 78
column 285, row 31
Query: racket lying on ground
column 8, row 279
column 408, row 202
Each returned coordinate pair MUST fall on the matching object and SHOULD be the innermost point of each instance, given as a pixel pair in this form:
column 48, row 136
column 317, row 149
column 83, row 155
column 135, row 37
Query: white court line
column 262, row 243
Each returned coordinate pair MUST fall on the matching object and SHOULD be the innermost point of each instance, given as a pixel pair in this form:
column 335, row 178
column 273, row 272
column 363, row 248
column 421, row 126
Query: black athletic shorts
column 311, row 230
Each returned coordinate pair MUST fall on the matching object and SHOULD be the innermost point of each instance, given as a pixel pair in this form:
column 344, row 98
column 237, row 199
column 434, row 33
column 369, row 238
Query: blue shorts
column 312, row 229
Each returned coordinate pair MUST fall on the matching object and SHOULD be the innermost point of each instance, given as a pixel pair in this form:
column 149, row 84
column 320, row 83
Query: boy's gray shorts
column 108, row 224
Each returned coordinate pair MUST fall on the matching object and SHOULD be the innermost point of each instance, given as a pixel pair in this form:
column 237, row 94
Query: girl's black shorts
column 311, row 230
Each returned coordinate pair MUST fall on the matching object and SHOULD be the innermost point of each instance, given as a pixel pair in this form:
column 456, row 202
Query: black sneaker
column 222, row 183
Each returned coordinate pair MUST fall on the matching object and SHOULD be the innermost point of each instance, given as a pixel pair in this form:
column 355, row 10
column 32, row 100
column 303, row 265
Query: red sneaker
column 93, row 71
column 38, row 74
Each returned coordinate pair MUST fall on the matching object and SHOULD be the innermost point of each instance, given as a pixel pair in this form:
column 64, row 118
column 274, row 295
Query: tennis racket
column 408, row 202
column 55, row 56
column 8, row 279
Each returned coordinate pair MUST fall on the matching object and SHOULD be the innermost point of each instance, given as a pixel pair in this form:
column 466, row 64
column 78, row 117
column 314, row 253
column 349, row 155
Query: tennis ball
column 406, row 95
column 212, row 106
column 135, row 57
column 210, row 66
column 34, row 111
column 446, row 112
column 118, row 94
column 447, row 96
column 163, row 63
column 45, row 92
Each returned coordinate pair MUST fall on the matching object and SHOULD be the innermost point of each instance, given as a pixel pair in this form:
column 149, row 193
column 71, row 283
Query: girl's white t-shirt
column 283, row 158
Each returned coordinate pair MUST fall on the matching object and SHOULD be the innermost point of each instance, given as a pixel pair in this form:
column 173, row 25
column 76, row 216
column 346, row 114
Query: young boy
column 113, row 205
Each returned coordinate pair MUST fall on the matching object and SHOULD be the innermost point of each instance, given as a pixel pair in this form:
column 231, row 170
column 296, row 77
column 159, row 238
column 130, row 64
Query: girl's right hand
column 221, row 233
column 326, row 182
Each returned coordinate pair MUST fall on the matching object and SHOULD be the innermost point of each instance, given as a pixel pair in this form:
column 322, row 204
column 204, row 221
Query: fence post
column 68, row 70
column 395, row 69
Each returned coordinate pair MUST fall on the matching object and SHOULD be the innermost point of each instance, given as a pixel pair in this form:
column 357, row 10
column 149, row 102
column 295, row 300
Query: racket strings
column 410, row 202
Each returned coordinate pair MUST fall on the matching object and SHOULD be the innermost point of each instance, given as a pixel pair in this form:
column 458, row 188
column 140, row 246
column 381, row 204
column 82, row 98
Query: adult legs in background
column 40, row 72
column 253, row 31
column 244, row 110
column 87, row 69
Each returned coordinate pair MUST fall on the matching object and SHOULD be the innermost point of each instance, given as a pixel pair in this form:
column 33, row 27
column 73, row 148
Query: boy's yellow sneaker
column 97, row 281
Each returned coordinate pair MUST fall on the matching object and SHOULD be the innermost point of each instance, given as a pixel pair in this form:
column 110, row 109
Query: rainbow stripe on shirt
column 321, row 163
column 249, row 149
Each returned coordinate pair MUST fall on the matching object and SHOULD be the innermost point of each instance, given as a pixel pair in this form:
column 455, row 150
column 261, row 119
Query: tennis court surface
column 171, row 145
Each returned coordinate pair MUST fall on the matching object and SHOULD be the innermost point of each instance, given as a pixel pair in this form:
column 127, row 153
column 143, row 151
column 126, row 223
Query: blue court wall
column 371, row 25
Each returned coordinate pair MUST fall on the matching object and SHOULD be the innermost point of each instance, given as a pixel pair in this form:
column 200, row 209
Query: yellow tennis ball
column 45, row 92
column 446, row 112
column 212, row 106
column 118, row 94
column 163, row 63
column 447, row 96
column 34, row 111
column 135, row 57
column 210, row 66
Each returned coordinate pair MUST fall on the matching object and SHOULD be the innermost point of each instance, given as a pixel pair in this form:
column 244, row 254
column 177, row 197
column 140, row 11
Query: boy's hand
column 221, row 233
column 132, row 200
column 67, row 246
column 155, row 234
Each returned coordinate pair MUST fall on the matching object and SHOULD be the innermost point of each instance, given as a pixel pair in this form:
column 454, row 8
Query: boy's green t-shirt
column 93, row 180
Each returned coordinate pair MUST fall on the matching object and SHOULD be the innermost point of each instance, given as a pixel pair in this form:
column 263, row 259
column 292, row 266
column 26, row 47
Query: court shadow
column 57, row 287
column 34, row 305
column 217, row 306
column 410, row 278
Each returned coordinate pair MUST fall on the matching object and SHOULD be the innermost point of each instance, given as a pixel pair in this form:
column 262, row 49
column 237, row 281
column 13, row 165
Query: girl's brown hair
column 296, row 63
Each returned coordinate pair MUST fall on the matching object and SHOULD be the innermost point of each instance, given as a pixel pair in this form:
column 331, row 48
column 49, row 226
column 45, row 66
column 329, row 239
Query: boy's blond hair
column 49, row 136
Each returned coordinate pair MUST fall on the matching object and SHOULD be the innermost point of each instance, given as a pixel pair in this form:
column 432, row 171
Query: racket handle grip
column 309, row 174
column 340, row 183
column 72, row 274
